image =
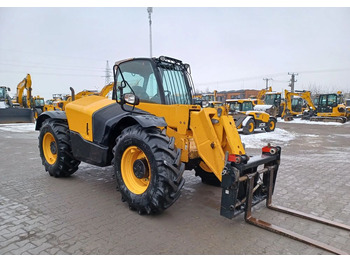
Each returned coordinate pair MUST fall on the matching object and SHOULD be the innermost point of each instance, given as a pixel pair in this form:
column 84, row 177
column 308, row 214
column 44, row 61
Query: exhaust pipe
column 73, row 93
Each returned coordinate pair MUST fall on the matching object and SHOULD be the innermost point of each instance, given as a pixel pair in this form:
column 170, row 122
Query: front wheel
column 148, row 169
column 249, row 127
column 55, row 150
column 271, row 125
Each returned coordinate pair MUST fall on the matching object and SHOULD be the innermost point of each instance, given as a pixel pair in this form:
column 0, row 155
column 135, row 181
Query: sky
column 228, row 48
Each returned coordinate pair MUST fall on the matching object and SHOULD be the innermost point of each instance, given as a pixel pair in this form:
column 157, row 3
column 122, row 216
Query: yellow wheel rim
column 133, row 182
column 251, row 127
column 272, row 125
column 50, row 148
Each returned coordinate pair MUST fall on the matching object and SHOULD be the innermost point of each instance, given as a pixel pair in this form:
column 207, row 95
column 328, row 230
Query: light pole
column 150, row 10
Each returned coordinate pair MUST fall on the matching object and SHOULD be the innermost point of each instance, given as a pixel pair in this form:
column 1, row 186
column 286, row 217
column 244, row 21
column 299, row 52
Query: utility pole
column 150, row 10
column 292, row 81
column 267, row 82
column 108, row 74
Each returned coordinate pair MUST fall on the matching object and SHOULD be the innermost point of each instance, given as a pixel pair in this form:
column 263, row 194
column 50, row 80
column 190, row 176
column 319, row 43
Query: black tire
column 249, row 127
column 207, row 177
column 55, row 149
column 271, row 125
column 157, row 186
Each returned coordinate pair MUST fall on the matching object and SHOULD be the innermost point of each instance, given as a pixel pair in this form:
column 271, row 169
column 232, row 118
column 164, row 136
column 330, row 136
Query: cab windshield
column 140, row 76
column 235, row 106
column 272, row 99
column 247, row 106
column 39, row 102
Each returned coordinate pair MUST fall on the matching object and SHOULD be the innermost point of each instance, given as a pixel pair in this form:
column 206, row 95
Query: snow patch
column 308, row 122
column 259, row 139
column 18, row 128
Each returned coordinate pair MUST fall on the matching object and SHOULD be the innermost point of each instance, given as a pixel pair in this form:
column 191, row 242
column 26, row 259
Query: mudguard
column 49, row 114
column 112, row 117
column 245, row 121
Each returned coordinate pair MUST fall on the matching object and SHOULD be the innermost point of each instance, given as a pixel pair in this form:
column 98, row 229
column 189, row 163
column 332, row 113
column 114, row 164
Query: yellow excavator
column 24, row 100
column 17, row 110
column 331, row 108
column 10, row 113
column 297, row 103
column 151, row 132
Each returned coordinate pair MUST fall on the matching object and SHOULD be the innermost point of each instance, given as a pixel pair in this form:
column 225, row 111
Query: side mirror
column 8, row 89
column 131, row 99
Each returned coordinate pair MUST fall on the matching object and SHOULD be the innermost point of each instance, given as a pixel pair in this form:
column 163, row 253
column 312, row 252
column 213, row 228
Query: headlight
column 205, row 103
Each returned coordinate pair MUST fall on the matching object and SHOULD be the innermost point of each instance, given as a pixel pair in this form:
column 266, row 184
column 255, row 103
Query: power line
column 53, row 74
column 238, row 80
column 271, row 75
column 46, row 66
column 50, row 54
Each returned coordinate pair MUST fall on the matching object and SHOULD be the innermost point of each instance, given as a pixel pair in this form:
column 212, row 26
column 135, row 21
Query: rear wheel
column 148, row 169
column 271, row 125
column 55, row 149
column 249, row 127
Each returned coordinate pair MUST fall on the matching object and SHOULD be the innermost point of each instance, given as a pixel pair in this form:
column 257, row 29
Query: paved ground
column 83, row 214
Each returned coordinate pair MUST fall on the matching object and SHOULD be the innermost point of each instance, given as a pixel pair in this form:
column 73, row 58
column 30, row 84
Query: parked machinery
column 297, row 103
column 37, row 104
column 57, row 103
column 261, row 95
column 18, row 110
column 24, row 99
column 270, row 102
column 247, row 119
column 331, row 108
column 151, row 132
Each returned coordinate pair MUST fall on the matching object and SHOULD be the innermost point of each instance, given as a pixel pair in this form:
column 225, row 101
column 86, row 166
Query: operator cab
column 326, row 102
column 160, row 80
column 237, row 105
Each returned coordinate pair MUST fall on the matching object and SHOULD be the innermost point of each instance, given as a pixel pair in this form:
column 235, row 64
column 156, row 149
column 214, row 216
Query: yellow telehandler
column 151, row 132
column 246, row 119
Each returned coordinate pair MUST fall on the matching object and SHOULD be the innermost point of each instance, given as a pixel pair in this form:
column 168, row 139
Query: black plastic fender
column 113, row 119
column 49, row 114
